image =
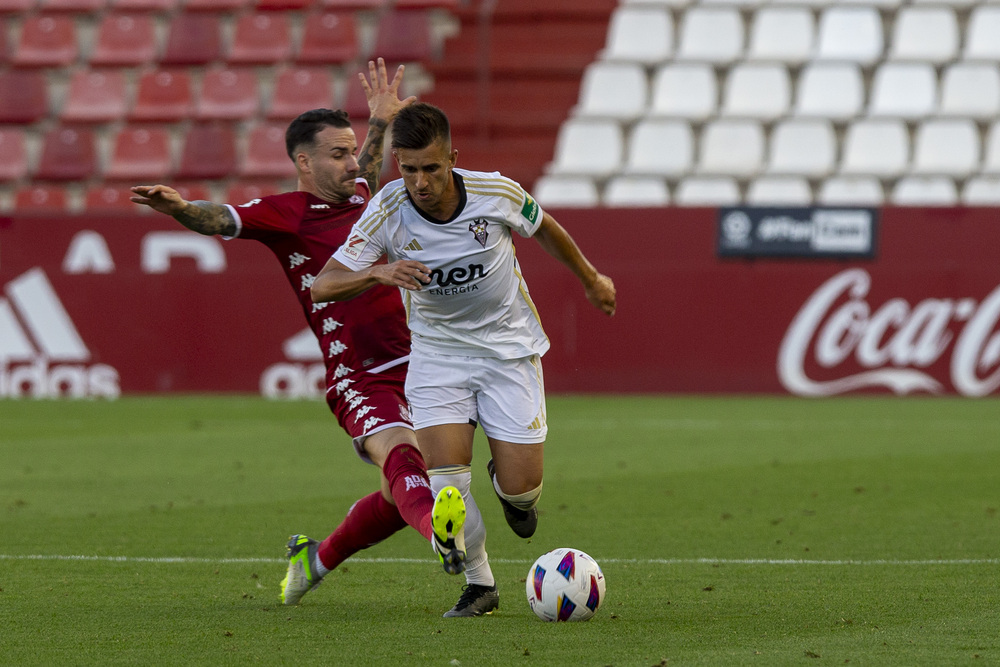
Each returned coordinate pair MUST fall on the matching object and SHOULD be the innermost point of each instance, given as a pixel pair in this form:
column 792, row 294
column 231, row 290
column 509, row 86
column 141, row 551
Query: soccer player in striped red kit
column 365, row 342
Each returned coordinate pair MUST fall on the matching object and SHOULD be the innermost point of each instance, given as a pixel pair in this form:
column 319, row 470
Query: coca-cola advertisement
column 100, row 307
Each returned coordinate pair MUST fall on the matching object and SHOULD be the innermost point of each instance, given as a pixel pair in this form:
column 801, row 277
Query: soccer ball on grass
column 565, row 585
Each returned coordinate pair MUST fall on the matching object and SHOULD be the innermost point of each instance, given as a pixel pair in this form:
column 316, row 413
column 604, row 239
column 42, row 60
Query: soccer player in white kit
column 476, row 338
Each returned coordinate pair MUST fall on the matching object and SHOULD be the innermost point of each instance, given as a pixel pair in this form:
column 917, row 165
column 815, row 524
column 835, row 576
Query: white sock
column 477, row 566
column 522, row 501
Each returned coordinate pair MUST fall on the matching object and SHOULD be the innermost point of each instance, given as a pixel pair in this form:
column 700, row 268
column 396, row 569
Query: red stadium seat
column 144, row 5
column 71, row 5
column 4, row 49
column 13, row 155
column 209, row 152
column 140, row 153
column 329, row 37
column 40, row 198
column 214, row 5
column 111, row 199
column 404, row 36
column 23, row 96
column 124, row 39
column 283, row 5
column 244, row 191
column 266, row 156
column 351, row 5
column 67, row 155
column 193, row 190
column 260, row 38
column 227, row 94
column 47, row 40
column 95, row 96
column 15, row 6
column 163, row 96
column 194, row 39
column 300, row 89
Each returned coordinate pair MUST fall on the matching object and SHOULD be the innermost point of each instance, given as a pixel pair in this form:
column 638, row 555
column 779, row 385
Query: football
column 565, row 585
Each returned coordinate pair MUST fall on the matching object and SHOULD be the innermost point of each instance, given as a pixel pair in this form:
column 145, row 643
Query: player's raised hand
column 382, row 94
column 160, row 198
column 602, row 294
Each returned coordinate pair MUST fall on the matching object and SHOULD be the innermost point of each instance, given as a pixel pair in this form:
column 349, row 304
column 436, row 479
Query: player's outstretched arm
column 337, row 282
column 557, row 242
column 200, row 216
column 384, row 104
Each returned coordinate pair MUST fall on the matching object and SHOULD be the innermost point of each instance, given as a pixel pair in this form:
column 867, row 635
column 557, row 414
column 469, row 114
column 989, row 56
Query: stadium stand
column 193, row 39
column 124, row 39
column 95, row 96
column 47, row 40
column 13, row 154
column 163, row 96
column 140, row 153
column 68, row 154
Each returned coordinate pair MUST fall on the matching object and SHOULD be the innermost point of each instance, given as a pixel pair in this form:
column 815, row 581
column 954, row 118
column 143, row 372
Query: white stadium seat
column 924, row 191
column 636, row 191
column 684, row 90
column 875, row 148
column 925, row 34
column 710, row 34
column 982, row 34
column 640, row 34
column 981, row 191
column 991, row 152
column 565, row 191
column 731, row 148
column 851, row 191
column 970, row 90
column 904, row 90
column 705, row 191
column 660, row 147
column 830, row 90
column 757, row 90
column 783, row 34
column 803, row 147
column 779, row 191
column 948, row 147
column 613, row 90
column 852, row 34
column 588, row 147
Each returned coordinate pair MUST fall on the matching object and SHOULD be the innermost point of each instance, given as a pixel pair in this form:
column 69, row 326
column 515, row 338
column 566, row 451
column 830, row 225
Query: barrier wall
column 102, row 306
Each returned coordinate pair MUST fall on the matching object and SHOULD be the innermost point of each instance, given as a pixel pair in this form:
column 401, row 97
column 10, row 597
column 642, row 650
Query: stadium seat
column 981, row 41
column 803, row 147
column 779, row 191
column 991, row 152
column 351, row 5
column 330, row 37
column 588, row 147
column 266, row 156
column 851, row 34
column 164, row 6
column 208, row 152
column 282, row 5
column 95, row 96
column 193, row 39
column 46, row 41
column 970, row 90
column 981, row 191
column 140, row 153
column 213, row 5
column 16, row 6
column 71, row 5
column 757, row 90
column 782, row 34
column 243, row 191
column 194, row 190
column 403, row 36
column 299, row 89
column 903, row 90
column 925, row 34
column 13, row 154
column 924, row 191
column 613, row 90
column 23, row 96
column 41, row 198
column 707, row 191
column 684, row 90
column 877, row 147
column 810, row 4
column 946, row 147
column 731, row 148
column 660, row 148
column 566, row 192
column 124, row 39
column 111, row 199
column 710, row 34
column 227, row 94
column 67, row 155
column 260, row 38
column 851, row 191
column 640, row 34
column 629, row 191
column 163, row 96
column 830, row 90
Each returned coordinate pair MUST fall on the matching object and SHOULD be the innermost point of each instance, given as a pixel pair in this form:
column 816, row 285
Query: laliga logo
column 895, row 334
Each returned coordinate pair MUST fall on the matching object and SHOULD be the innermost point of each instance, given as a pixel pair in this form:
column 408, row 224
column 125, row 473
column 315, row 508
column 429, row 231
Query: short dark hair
column 418, row 125
column 303, row 130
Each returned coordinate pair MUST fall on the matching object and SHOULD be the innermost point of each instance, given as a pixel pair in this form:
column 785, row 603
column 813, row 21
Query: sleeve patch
column 354, row 246
column 530, row 209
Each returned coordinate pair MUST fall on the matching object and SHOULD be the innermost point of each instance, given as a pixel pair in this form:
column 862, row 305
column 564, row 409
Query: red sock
column 407, row 474
column 369, row 521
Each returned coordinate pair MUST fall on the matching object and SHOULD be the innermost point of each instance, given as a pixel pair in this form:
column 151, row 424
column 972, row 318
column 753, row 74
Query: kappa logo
column 42, row 355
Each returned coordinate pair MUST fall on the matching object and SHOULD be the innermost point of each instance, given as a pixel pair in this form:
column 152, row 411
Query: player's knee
column 522, row 501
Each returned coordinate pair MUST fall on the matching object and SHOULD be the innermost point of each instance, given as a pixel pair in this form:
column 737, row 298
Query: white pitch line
column 623, row 561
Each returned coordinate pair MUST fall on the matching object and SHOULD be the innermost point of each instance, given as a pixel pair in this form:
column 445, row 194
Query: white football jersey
column 477, row 303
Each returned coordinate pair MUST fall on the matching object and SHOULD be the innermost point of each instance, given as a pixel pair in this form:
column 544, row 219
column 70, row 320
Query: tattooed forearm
column 370, row 160
column 207, row 218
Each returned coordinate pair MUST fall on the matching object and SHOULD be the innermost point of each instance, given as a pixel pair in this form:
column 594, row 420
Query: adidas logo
column 412, row 245
column 41, row 352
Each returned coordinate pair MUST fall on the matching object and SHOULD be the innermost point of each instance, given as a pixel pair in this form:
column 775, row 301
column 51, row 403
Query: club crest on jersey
column 478, row 229
column 354, row 246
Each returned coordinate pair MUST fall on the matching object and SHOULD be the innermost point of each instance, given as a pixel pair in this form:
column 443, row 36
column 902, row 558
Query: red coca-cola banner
column 103, row 306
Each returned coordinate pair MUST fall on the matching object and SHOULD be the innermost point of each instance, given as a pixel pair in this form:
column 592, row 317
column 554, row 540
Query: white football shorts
column 506, row 396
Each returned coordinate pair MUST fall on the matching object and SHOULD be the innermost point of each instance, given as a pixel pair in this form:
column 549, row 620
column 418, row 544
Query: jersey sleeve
column 366, row 242
column 521, row 212
column 259, row 218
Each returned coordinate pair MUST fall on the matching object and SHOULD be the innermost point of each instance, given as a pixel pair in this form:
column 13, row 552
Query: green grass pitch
column 731, row 530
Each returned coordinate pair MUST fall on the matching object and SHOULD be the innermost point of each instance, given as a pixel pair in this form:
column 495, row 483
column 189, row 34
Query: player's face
column 332, row 165
column 427, row 175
